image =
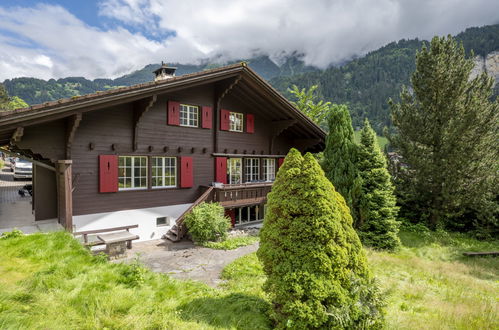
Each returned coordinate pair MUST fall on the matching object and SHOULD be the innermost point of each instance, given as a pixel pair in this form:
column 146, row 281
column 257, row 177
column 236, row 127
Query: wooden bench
column 120, row 235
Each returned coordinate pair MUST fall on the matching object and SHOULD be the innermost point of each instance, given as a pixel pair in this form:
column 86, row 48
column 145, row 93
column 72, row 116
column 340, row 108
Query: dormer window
column 236, row 122
column 189, row 115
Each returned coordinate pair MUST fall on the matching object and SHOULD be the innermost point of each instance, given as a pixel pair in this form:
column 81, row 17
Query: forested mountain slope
column 367, row 83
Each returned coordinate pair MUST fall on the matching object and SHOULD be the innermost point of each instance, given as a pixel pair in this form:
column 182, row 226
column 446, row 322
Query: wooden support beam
column 65, row 194
column 72, row 124
column 228, row 89
column 139, row 109
column 17, row 135
column 303, row 144
column 278, row 126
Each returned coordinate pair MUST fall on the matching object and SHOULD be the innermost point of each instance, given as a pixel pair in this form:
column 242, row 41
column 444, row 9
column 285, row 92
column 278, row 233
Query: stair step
column 173, row 230
column 171, row 237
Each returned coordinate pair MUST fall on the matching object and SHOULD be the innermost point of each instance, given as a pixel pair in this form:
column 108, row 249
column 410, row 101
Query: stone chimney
column 164, row 72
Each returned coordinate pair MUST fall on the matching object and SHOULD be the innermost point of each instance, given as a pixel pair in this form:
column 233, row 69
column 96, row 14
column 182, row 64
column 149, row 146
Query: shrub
column 11, row 234
column 206, row 222
column 317, row 273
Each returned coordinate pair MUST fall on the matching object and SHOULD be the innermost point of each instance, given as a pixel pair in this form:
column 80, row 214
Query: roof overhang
column 49, row 111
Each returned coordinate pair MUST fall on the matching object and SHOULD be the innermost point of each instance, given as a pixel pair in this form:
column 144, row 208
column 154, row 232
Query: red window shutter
column 206, row 119
column 186, row 172
column 280, row 161
column 250, row 123
column 221, row 169
column 108, row 173
column 173, row 113
column 224, row 120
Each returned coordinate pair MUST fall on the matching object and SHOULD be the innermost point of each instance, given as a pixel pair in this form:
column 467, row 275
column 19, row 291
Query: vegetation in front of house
column 377, row 221
column 232, row 243
column 317, row 274
column 50, row 281
column 207, row 222
column 447, row 133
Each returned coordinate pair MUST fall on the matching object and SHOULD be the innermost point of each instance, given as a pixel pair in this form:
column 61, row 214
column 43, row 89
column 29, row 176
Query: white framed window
column 236, row 122
column 247, row 214
column 234, row 170
column 189, row 115
column 269, row 169
column 164, row 172
column 132, row 172
column 252, row 169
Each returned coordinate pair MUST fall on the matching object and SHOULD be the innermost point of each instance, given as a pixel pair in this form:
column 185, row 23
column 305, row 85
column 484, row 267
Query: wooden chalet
column 144, row 155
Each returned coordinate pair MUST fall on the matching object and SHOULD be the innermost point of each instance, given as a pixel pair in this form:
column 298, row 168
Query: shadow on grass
column 235, row 310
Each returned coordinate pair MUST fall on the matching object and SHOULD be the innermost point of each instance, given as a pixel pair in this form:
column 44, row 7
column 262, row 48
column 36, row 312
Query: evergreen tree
column 340, row 156
column 378, row 226
column 447, row 134
column 317, row 273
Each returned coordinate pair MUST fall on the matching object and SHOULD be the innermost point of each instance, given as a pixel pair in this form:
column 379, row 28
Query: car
column 23, row 169
column 11, row 163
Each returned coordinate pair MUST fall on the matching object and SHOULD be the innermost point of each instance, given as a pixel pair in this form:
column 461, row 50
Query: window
column 252, row 167
column 189, row 115
column 236, row 122
column 164, row 172
column 161, row 222
column 269, row 169
column 247, row 214
column 132, row 172
column 234, row 170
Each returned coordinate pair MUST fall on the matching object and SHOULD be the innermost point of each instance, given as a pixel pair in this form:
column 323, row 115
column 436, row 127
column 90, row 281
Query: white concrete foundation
column 145, row 218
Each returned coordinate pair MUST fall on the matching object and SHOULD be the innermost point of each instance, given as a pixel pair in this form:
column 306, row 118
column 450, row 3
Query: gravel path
column 184, row 260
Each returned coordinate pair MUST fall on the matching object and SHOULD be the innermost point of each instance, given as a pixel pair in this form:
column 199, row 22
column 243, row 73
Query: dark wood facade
column 135, row 123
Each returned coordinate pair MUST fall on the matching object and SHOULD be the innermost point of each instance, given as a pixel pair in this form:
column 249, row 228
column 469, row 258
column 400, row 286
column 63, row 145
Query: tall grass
column 49, row 281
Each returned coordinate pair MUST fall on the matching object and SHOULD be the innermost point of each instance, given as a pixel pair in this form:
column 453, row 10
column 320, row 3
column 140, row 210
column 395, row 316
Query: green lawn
column 382, row 141
column 48, row 281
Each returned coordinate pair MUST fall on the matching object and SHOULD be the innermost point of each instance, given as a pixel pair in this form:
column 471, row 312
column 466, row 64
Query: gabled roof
column 250, row 80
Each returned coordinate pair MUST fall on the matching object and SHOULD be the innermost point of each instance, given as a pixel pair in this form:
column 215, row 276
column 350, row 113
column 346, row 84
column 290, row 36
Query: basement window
column 161, row 221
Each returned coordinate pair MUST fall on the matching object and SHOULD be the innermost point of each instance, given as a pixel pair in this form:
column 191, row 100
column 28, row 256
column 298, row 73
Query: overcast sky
column 109, row 38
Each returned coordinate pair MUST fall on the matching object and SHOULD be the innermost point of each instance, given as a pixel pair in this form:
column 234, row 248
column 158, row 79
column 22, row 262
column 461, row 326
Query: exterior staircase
column 179, row 229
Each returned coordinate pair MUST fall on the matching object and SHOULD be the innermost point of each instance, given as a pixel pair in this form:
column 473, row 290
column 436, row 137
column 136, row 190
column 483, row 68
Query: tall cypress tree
column 340, row 156
column 447, row 134
column 317, row 273
column 378, row 225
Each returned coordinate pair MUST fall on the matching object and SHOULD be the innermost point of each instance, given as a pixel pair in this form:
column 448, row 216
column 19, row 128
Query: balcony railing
column 235, row 195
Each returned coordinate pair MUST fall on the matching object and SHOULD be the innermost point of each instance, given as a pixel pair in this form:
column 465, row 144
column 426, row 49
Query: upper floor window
column 252, row 169
column 236, row 122
column 189, row 115
column 164, row 172
column 269, row 169
column 132, row 172
column 234, row 170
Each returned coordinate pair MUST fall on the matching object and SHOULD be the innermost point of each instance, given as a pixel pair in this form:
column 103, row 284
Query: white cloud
column 47, row 41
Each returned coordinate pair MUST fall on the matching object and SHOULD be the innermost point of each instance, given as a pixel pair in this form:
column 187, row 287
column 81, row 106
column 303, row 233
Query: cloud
column 54, row 43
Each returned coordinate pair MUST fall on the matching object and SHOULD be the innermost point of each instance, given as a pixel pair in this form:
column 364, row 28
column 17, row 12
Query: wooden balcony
column 236, row 195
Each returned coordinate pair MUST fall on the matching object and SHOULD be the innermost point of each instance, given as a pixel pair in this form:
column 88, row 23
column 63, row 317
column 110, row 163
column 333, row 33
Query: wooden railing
column 242, row 194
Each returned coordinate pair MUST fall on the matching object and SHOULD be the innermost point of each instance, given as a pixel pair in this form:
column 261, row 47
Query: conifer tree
column 317, row 273
column 447, row 133
column 378, row 226
column 340, row 157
